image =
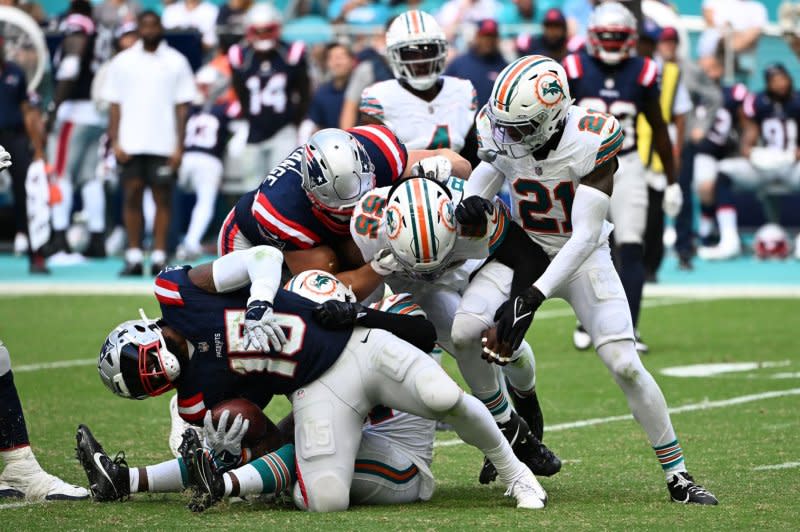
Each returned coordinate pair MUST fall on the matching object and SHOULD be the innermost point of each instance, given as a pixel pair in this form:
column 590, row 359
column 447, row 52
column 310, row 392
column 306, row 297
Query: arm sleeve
column 484, row 181
column 527, row 258
column 415, row 330
column 589, row 211
column 259, row 266
column 360, row 79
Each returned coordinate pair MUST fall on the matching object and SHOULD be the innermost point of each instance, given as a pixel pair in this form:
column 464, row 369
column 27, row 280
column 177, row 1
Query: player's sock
column 158, row 256
column 272, row 473
column 497, row 404
column 134, row 256
column 631, row 273
column 167, row 477
column 203, row 210
column 436, row 354
column 62, row 210
column 473, row 425
column 706, row 224
column 521, row 373
column 13, row 432
column 726, row 212
column 670, row 455
column 94, row 206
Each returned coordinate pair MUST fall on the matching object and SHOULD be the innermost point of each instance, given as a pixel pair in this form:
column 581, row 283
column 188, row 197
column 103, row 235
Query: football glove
column 473, row 210
column 673, row 200
column 261, row 331
column 515, row 316
column 335, row 314
column 438, row 168
column 5, row 158
column 225, row 446
column 384, row 263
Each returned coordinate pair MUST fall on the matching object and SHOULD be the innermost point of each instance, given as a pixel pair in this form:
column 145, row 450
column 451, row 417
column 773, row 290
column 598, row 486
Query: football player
column 770, row 118
column 204, row 144
column 425, row 109
column 304, row 204
column 608, row 77
column 334, row 377
column 414, row 221
column 719, row 144
column 270, row 78
column 22, row 475
column 560, row 160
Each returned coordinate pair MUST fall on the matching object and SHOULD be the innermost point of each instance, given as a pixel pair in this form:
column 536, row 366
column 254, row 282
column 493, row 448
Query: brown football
column 260, row 425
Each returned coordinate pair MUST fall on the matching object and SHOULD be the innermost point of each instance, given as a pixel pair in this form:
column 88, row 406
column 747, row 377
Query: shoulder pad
column 749, row 105
column 739, row 92
column 167, row 285
column 236, row 56
column 573, row 66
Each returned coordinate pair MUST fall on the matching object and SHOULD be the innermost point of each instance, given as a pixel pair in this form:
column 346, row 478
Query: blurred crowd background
column 333, row 49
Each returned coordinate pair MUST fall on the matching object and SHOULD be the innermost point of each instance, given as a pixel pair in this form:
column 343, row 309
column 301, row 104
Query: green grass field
column 610, row 479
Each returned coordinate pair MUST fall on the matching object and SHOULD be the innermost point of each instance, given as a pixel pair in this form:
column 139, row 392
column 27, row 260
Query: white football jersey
column 369, row 232
column 420, row 125
column 542, row 191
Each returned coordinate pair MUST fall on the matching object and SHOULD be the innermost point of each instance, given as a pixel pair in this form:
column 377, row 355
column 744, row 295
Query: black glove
column 338, row 314
column 473, row 210
column 514, row 317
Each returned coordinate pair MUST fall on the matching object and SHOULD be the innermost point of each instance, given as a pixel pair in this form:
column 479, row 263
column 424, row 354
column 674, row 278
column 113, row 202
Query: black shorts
column 153, row 169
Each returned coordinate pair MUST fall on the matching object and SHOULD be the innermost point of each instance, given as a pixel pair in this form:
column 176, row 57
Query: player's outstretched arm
column 485, row 181
column 461, row 166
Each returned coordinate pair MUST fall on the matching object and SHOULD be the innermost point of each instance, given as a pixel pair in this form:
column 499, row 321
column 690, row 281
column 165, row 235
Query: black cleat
column 37, row 263
column 97, row 246
column 108, row 479
column 156, row 268
column 685, row 263
column 193, row 455
column 527, row 406
column 210, row 481
column 527, row 447
column 683, row 489
column 132, row 269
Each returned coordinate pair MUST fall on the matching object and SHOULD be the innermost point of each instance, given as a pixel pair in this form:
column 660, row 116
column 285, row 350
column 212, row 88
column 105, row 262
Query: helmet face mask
column 263, row 26
column 416, row 49
column 612, row 33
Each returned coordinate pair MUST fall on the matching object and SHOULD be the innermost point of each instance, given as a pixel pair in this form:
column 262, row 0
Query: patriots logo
column 315, row 173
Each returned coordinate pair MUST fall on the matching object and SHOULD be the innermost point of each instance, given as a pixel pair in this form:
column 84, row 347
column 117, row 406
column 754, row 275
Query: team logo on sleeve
column 549, row 90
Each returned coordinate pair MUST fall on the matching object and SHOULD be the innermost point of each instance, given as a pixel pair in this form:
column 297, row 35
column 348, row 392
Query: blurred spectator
column 231, row 14
column 482, row 62
column 20, row 130
column 358, row 12
column 78, row 129
column 577, row 13
column 526, row 10
column 270, row 77
column 146, row 128
column 113, row 13
column 198, row 14
column 553, row 40
column 326, row 105
column 454, row 13
column 372, row 68
column 740, row 21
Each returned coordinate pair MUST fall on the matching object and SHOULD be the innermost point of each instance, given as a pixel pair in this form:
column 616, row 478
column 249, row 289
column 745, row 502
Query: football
column 260, row 425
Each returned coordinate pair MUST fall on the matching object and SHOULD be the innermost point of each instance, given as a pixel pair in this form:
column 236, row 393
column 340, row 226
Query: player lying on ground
column 566, row 156
column 434, row 257
column 334, row 377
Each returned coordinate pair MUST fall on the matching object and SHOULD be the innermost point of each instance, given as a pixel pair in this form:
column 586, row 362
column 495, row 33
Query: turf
column 610, row 479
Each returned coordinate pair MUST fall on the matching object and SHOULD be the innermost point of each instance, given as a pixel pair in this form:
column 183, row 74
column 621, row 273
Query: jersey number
column 533, row 211
column 273, row 94
column 244, row 361
column 780, row 134
column 625, row 112
column 201, row 131
column 593, row 122
column 369, row 220
column 440, row 139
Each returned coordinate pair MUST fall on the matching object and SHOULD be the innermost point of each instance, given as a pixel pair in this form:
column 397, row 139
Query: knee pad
column 466, row 332
column 325, row 493
column 5, row 359
column 622, row 360
column 436, row 390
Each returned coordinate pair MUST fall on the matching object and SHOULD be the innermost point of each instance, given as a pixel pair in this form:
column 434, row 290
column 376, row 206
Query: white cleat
column 62, row 258
column 527, row 491
column 179, row 426
column 25, row 478
column 115, row 243
column 580, row 338
column 722, row 251
column 20, row 244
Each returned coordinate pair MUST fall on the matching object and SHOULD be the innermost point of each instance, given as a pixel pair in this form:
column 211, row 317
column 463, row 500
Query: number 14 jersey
column 542, row 191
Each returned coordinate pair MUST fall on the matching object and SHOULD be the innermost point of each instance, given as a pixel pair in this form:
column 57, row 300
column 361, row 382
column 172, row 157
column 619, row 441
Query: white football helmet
column 401, row 303
column 416, row 48
column 319, row 286
column 611, row 33
column 134, row 361
column 337, row 171
column 421, row 226
column 771, row 242
column 528, row 104
column 262, row 26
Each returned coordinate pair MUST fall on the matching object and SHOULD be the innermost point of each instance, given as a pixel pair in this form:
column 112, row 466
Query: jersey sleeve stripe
column 572, row 64
column 387, row 143
column 197, row 416
column 167, row 285
column 235, row 56
column 609, row 153
column 267, row 216
column 649, row 73
column 749, row 105
column 296, row 52
column 739, row 92
column 614, row 138
column 193, row 400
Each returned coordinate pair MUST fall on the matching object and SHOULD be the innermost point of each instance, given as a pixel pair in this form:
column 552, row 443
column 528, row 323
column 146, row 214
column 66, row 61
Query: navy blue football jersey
column 777, row 120
column 267, row 86
column 220, row 367
column 90, row 61
column 620, row 90
column 279, row 213
column 720, row 140
column 207, row 129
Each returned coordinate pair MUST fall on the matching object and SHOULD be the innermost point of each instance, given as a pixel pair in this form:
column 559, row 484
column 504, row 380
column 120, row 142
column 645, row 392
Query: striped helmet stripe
column 421, row 202
column 505, row 87
column 429, row 209
column 415, row 20
column 413, row 217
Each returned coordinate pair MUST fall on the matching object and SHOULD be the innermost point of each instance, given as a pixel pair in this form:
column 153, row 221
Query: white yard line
column 703, row 405
column 22, row 504
column 54, row 365
column 787, row 465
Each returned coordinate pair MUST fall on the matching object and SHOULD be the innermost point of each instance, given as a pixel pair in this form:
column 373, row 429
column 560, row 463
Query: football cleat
column 527, row 406
column 24, row 477
column 722, row 251
column 209, row 484
column 641, row 347
column 527, row 447
column 191, row 450
column 108, row 479
column 527, row 491
column 580, row 338
column 132, row 269
column 683, row 489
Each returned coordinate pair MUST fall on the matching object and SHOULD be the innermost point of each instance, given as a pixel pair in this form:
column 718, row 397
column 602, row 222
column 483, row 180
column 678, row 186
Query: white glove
column 384, row 263
column 5, row 158
column 261, row 331
column 437, row 167
column 225, row 445
column 673, row 200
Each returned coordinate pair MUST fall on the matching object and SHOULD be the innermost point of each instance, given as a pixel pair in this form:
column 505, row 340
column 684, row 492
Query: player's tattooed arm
column 661, row 140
